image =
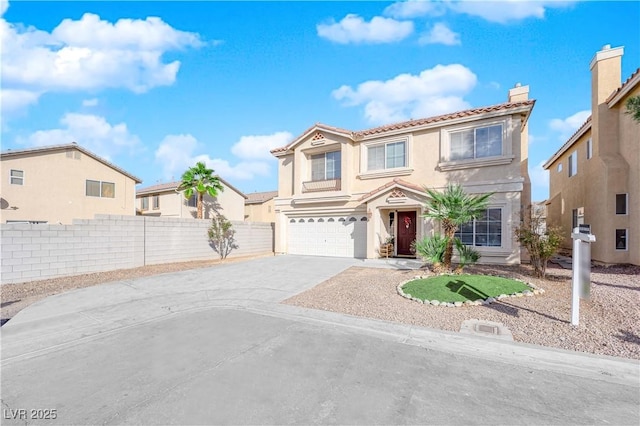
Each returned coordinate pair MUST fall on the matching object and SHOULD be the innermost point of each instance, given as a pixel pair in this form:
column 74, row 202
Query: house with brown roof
column 594, row 178
column 260, row 207
column 165, row 200
column 59, row 183
column 345, row 193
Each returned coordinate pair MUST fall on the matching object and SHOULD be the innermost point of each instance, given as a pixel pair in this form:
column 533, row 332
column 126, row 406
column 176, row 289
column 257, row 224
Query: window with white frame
column 17, row 177
column 559, row 167
column 573, row 163
column 155, row 202
column 621, row 203
column 486, row 231
column 144, row 203
column 390, row 155
column 480, row 142
column 326, row 166
column 589, row 149
column 621, row 239
column 96, row 188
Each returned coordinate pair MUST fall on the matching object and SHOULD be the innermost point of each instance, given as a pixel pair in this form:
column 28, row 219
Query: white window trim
column 310, row 158
column 16, row 177
column 142, row 200
column 626, row 239
column 397, row 171
column 505, row 243
column 153, row 199
column 559, row 168
column 626, row 204
column 572, row 170
column 101, row 182
column 507, row 149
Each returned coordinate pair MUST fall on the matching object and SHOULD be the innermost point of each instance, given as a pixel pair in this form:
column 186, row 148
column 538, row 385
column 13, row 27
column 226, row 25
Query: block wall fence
column 110, row 242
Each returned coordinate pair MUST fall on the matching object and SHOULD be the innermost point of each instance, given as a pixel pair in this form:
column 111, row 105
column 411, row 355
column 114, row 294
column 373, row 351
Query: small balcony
column 321, row 185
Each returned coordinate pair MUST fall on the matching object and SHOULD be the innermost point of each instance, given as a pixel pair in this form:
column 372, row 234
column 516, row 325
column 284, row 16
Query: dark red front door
column 406, row 232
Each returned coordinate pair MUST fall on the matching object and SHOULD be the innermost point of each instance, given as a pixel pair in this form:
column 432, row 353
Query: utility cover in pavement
column 486, row 328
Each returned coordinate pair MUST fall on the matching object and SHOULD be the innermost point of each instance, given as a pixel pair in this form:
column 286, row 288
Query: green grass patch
column 460, row 288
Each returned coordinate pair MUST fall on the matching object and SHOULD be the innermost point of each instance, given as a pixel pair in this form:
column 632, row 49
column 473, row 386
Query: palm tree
column 633, row 107
column 452, row 208
column 199, row 180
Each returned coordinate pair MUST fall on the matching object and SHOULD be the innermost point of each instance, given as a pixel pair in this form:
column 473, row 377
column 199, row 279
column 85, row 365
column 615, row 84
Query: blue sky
column 157, row 86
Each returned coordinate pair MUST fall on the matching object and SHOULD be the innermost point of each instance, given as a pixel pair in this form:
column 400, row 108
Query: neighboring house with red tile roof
column 260, row 207
column 164, row 200
column 344, row 193
column 59, row 183
column 595, row 175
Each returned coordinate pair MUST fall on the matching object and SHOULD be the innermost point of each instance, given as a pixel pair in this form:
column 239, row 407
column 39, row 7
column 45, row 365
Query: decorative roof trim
column 622, row 91
column 573, row 139
column 62, row 147
column 394, row 184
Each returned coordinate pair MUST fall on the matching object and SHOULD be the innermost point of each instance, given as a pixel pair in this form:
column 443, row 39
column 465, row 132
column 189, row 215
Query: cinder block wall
column 109, row 242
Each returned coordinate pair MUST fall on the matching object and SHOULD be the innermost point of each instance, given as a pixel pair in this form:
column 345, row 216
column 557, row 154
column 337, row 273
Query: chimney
column 606, row 73
column 518, row 93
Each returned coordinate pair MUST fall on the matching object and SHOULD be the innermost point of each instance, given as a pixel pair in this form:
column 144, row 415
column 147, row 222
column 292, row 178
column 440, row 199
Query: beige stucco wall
column 55, row 186
column 614, row 169
column 262, row 212
column 427, row 165
column 173, row 204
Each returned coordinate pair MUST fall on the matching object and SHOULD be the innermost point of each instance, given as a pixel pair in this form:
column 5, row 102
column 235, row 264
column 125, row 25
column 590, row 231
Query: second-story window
column 325, row 166
column 193, row 201
column 96, row 188
column 476, row 143
column 17, row 177
column 156, row 202
column 386, row 156
column 573, row 163
column 144, row 203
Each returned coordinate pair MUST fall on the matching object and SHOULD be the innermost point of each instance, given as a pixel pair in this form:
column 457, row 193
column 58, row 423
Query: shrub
column 222, row 236
column 431, row 249
column 541, row 242
column 468, row 255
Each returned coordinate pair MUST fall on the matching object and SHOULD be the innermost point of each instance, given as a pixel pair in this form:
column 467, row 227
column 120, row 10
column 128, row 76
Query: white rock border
column 527, row 293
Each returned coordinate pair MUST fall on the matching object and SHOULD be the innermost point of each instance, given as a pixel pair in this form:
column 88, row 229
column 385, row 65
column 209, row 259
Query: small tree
column 222, row 236
column 633, row 107
column 200, row 180
column 542, row 242
column 452, row 208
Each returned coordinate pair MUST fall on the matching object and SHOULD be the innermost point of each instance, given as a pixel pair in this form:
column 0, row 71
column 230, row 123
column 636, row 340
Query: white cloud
column 90, row 131
column 434, row 91
column 258, row 146
column 414, row 9
column 539, row 176
column 91, row 54
column 494, row 85
column 353, row 29
column 506, row 10
column 14, row 100
column 90, row 102
column 440, row 34
column 4, row 5
column 566, row 127
column 177, row 153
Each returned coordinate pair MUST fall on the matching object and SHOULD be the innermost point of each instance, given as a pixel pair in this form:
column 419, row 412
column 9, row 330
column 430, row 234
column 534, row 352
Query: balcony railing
column 321, row 185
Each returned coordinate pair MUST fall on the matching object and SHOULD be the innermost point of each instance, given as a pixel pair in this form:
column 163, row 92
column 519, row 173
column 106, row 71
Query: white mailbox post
column 581, row 269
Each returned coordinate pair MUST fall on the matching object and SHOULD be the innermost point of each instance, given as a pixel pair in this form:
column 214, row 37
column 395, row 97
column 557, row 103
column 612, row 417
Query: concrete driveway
column 213, row 346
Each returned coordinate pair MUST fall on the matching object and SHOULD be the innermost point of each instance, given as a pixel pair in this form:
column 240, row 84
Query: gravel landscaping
column 609, row 322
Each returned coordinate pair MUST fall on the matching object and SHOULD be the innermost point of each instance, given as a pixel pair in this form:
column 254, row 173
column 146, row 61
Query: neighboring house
column 344, row 193
column 59, row 183
column 595, row 175
column 164, row 200
column 260, row 207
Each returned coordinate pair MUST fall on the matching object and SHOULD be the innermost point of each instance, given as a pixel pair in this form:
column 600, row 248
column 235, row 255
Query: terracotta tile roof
column 62, row 147
column 395, row 181
column 260, row 197
column 412, row 123
column 444, row 117
column 624, row 85
column 171, row 186
column 569, row 143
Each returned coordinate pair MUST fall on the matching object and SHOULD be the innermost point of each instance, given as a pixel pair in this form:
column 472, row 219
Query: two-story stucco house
column 164, row 200
column 594, row 177
column 59, row 183
column 344, row 193
column 260, row 207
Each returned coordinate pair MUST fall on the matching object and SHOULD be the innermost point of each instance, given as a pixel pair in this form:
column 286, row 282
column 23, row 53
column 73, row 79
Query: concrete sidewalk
column 214, row 346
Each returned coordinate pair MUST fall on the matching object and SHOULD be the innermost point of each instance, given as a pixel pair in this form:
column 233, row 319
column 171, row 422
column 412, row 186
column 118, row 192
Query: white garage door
column 338, row 236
